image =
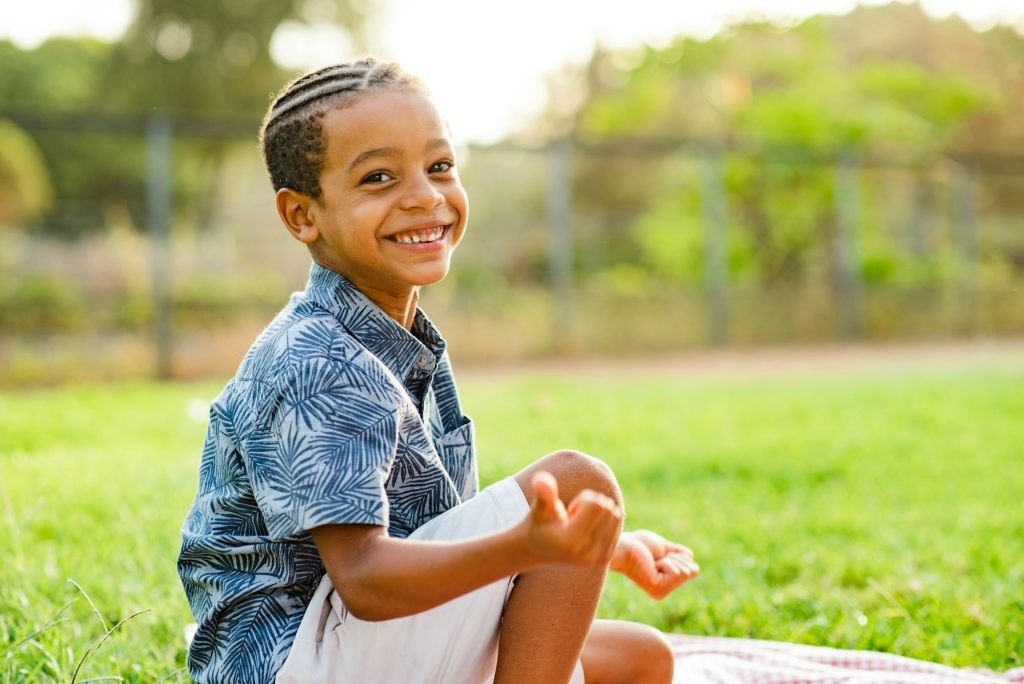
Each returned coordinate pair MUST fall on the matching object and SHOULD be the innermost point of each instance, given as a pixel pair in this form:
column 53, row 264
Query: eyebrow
column 392, row 151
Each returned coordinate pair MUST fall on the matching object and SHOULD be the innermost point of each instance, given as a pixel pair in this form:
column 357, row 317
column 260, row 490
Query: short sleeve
column 324, row 446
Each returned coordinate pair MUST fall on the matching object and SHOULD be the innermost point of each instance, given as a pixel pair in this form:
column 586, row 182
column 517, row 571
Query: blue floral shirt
column 337, row 415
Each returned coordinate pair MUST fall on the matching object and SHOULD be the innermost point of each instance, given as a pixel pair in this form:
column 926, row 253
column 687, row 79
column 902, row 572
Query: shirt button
column 425, row 362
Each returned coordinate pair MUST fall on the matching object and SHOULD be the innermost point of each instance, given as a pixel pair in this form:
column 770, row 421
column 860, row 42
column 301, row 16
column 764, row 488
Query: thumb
column 547, row 505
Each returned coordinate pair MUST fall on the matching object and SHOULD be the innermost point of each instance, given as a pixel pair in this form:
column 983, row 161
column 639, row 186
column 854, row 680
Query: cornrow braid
column 291, row 137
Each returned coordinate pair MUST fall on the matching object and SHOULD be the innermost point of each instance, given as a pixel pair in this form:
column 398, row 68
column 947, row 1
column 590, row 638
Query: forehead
column 405, row 121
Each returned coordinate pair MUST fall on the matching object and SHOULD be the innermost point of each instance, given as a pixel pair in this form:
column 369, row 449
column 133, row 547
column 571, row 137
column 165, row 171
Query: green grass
column 880, row 512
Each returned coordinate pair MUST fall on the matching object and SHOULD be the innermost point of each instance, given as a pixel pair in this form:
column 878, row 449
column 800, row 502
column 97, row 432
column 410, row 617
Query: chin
column 428, row 276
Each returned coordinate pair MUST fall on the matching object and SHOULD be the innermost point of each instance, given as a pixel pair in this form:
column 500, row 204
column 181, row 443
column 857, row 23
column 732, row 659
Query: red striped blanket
column 717, row 660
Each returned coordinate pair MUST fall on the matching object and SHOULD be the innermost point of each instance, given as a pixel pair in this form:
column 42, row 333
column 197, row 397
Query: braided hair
column 291, row 137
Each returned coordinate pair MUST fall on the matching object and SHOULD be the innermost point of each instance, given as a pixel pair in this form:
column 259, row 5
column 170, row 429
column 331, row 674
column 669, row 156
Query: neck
column 400, row 306
column 401, row 309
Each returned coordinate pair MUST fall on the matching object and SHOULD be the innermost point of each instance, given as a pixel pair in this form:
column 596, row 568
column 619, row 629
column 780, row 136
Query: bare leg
column 550, row 611
column 625, row 652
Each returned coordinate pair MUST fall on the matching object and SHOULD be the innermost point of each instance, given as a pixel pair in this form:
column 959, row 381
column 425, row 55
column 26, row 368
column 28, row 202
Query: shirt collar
column 411, row 356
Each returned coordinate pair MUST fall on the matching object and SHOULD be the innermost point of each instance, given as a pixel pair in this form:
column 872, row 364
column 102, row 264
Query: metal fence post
column 847, row 203
column 716, row 271
column 920, row 215
column 560, row 255
column 966, row 232
column 158, row 201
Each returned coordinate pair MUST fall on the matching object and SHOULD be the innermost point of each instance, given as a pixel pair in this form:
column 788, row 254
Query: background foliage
column 868, row 166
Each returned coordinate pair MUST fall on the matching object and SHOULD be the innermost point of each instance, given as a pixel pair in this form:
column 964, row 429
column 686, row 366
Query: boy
column 337, row 534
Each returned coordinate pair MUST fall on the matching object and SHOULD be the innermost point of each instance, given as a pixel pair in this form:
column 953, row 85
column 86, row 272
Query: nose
column 421, row 193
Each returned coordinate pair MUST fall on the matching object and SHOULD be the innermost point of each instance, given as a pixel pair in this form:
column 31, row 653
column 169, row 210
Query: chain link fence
column 575, row 249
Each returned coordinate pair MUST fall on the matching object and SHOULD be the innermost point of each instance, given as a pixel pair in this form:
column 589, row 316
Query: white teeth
column 416, row 236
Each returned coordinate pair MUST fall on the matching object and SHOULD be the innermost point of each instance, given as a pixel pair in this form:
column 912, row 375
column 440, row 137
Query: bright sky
column 485, row 61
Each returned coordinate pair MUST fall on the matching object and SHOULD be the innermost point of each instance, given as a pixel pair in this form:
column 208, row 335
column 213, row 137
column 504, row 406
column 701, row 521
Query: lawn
column 879, row 512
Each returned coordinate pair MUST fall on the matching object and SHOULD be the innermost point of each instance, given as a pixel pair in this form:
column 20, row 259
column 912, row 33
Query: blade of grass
column 89, row 599
column 169, row 675
column 877, row 586
column 96, row 647
column 55, row 620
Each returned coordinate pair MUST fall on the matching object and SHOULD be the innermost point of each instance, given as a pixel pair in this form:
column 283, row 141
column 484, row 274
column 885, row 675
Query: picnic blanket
column 720, row 660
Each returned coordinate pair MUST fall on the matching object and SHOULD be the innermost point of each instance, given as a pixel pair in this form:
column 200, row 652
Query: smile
column 413, row 237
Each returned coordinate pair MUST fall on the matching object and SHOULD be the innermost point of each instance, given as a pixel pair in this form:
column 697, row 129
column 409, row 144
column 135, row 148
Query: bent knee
column 653, row 660
column 618, row 651
column 661, row 660
column 576, row 471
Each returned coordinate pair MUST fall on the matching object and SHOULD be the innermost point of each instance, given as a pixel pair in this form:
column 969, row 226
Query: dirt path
column 781, row 361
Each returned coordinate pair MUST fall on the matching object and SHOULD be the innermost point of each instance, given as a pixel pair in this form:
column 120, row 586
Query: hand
column 653, row 563
column 584, row 533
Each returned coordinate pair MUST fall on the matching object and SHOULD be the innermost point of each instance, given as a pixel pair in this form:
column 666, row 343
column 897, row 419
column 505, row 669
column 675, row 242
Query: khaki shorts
column 454, row 643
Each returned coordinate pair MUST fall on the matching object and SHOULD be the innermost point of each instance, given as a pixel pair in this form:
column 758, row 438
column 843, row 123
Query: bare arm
column 380, row 578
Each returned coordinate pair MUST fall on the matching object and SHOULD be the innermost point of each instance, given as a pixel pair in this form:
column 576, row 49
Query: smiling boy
column 337, row 534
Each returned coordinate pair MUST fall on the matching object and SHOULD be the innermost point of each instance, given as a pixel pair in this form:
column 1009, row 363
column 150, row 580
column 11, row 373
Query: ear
column 294, row 208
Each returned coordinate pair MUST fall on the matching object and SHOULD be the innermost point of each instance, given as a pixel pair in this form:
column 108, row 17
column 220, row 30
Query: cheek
column 458, row 199
column 363, row 221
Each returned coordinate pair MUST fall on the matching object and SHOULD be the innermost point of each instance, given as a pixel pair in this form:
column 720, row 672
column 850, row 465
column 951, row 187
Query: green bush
column 40, row 304
column 205, row 302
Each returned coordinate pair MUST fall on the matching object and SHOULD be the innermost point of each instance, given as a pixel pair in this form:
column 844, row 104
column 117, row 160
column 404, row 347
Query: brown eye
column 377, row 177
column 442, row 166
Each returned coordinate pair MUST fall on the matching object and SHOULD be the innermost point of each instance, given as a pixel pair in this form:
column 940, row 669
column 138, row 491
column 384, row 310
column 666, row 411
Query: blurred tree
column 203, row 59
column 61, row 72
column 190, row 60
column 200, row 57
column 86, row 172
column 880, row 81
column 25, row 190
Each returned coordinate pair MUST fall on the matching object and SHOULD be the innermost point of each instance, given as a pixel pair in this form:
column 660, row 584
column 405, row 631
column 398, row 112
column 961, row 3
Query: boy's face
column 392, row 209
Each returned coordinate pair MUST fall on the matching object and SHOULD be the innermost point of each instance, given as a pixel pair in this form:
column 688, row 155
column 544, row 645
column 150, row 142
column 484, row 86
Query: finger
column 610, row 532
column 671, row 568
column 686, row 564
column 692, row 565
column 665, row 585
column 547, row 504
column 590, row 510
column 592, row 523
column 668, row 580
column 655, row 540
column 673, row 565
column 588, row 497
column 652, row 541
column 679, row 564
column 606, row 525
column 681, row 558
column 679, row 548
column 599, row 523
